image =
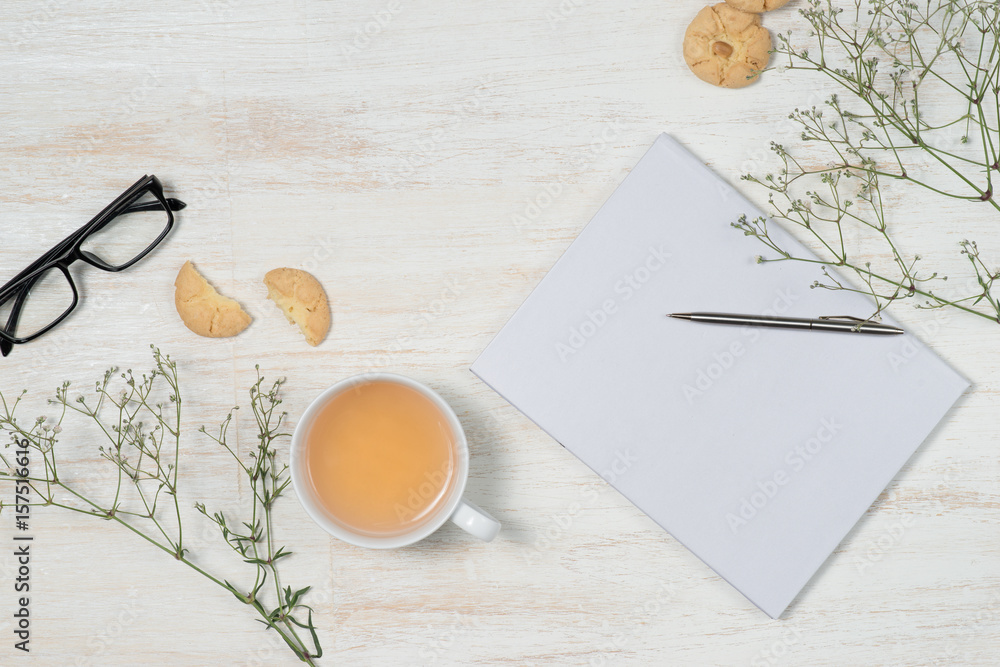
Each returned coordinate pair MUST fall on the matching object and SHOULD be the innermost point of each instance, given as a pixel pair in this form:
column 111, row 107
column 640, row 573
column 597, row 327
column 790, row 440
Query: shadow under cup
column 379, row 461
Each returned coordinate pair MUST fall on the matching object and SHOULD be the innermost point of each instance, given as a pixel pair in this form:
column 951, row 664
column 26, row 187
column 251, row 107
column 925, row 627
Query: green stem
column 890, row 281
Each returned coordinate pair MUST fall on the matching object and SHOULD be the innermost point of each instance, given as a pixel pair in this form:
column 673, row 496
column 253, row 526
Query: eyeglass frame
column 69, row 250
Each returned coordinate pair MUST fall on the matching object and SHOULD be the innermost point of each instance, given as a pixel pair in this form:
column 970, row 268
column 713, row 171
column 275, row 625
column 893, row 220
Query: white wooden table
column 428, row 161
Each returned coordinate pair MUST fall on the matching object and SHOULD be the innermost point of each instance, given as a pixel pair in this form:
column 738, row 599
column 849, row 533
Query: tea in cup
column 380, row 460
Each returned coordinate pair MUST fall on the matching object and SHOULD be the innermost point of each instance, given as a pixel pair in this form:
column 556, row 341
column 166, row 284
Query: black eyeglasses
column 44, row 294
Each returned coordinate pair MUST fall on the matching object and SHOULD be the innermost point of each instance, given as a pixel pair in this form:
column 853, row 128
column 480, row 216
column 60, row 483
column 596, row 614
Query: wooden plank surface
column 429, row 161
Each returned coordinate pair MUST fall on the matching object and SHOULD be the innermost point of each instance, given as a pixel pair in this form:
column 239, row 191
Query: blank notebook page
column 758, row 449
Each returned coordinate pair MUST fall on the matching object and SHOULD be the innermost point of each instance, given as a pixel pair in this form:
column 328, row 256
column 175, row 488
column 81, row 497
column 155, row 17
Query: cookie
column 302, row 299
column 756, row 6
column 726, row 47
column 205, row 311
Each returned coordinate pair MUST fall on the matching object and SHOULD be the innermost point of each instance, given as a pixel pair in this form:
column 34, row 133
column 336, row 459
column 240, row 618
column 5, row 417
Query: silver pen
column 844, row 323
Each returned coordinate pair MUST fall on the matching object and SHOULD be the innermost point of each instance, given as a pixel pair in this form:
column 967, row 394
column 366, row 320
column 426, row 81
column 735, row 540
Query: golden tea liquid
column 380, row 457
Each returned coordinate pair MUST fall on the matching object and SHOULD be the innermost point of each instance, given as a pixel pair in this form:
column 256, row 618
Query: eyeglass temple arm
column 174, row 204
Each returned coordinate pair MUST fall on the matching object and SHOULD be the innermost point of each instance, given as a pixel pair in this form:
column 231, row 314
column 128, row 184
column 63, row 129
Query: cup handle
column 475, row 521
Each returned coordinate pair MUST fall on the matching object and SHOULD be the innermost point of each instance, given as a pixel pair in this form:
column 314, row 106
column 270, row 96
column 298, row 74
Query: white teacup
column 462, row 512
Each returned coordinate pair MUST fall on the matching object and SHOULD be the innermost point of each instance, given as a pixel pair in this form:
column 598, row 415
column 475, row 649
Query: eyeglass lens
column 48, row 297
column 128, row 235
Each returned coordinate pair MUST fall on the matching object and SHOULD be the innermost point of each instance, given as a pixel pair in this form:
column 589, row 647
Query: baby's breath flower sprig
column 140, row 419
column 256, row 545
column 924, row 80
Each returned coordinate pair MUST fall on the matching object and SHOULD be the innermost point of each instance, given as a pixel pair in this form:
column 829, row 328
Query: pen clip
column 843, row 318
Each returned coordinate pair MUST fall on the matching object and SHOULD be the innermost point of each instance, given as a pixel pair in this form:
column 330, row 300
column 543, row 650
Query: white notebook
column 758, row 449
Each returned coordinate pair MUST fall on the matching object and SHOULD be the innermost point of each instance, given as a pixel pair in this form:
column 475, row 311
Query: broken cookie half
column 303, row 301
column 203, row 310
